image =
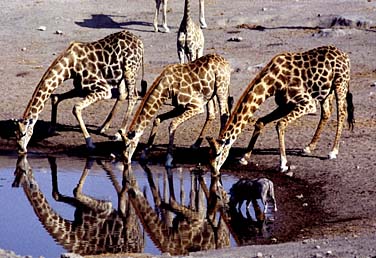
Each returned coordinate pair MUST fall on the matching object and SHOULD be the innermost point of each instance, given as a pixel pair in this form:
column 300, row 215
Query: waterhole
column 54, row 205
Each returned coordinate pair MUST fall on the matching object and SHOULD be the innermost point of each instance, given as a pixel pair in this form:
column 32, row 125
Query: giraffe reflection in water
column 97, row 227
column 195, row 227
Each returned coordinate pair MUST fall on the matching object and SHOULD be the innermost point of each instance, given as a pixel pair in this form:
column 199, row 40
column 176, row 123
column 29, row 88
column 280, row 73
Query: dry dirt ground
column 339, row 194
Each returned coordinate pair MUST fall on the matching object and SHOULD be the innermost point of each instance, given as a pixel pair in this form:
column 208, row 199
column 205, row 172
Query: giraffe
column 190, row 229
column 298, row 81
column 97, row 228
column 102, row 69
column 190, row 39
column 158, row 3
column 191, row 86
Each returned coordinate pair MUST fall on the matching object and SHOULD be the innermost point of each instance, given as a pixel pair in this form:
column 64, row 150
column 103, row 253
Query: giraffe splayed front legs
column 298, row 81
column 158, row 4
column 100, row 70
column 190, row 86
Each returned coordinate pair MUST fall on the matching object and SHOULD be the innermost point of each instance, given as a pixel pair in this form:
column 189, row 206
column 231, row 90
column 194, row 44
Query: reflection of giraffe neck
column 258, row 90
column 50, row 219
column 57, row 73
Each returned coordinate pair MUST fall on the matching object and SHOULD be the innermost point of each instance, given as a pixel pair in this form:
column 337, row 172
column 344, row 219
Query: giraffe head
column 219, row 150
column 130, row 144
column 23, row 173
column 23, row 132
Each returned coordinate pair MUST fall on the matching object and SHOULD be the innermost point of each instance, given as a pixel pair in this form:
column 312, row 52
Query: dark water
column 26, row 230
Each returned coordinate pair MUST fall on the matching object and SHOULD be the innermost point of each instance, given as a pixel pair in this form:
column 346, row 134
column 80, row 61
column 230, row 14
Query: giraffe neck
column 156, row 96
column 57, row 73
column 258, row 90
column 187, row 10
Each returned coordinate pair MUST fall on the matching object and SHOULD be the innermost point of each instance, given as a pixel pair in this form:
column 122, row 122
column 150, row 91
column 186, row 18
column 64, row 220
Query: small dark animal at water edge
column 252, row 189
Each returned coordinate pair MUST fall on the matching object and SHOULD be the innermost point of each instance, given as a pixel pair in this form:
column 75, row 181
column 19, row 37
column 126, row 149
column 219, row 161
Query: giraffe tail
column 350, row 110
column 144, row 84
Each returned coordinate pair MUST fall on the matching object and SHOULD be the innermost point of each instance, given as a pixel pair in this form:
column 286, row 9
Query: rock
column 235, row 39
column 42, row 28
column 351, row 22
column 331, row 33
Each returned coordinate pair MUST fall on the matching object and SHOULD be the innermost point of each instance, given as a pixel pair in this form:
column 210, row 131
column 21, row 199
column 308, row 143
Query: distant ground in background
column 341, row 193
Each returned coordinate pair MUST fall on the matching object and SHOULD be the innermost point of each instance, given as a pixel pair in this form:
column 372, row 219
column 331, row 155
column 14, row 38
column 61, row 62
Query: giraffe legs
column 278, row 113
column 326, row 111
column 190, row 112
column 156, row 14
column 103, row 92
column 203, row 24
column 309, row 106
column 341, row 114
column 209, row 118
column 56, row 99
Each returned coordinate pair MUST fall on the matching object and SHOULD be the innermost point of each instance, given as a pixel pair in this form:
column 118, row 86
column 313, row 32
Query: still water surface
column 25, row 231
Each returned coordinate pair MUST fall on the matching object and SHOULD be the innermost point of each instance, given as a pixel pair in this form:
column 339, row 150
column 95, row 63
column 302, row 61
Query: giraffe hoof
column 166, row 29
column 284, row 168
column 307, row 150
column 169, row 160
column 116, row 137
column 243, row 161
column 332, row 155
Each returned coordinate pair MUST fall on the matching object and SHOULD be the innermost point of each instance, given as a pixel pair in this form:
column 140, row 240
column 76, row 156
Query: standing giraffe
column 103, row 69
column 298, row 81
column 97, row 227
column 192, row 229
column 190, row 39
column 156, row 14
column 190, row 86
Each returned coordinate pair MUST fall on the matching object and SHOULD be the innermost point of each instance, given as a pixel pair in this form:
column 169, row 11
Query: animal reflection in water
column 250, row 190
column 195, row 227
column 97, row 227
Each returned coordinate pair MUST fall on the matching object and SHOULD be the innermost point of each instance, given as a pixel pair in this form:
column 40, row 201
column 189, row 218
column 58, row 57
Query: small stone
column 305, row 204
column 23, row 49
column 299, row 196
column 274, row 240
column 42, row 28
column 357, row 167
column 264, row 9
column 318, row 255
column 290, row 174
column 317, row 247
column 305, row 241
column 259, row 255
column 235, row 39
column 329, row 252
column 59, row 32
column 373, row 84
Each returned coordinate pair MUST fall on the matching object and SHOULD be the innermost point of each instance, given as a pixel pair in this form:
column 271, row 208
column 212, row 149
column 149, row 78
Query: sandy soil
column 340, row 193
